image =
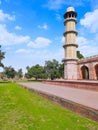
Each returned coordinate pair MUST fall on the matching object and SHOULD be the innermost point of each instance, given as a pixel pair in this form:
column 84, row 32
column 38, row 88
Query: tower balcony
column 70, row 19
column 69, row 59
column 70, row 31
column 70, row 44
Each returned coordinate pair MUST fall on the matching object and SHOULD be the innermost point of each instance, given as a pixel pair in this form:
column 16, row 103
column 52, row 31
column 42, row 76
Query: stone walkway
column 84, row 97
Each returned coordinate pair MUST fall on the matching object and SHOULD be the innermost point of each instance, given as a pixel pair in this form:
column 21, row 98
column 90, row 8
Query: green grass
column 28, row 80
column 24, row 110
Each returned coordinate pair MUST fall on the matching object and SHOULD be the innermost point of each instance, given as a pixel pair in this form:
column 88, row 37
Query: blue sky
column 31, row 31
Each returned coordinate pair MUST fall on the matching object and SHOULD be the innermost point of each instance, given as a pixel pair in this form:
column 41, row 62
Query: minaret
column 70, row 57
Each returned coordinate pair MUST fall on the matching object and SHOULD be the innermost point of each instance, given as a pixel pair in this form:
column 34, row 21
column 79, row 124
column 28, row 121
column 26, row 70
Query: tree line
column 51, row 70
column 10, row 73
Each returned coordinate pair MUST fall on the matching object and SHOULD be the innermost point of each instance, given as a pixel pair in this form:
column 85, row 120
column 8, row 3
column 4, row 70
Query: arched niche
column 96, row 71
column 85, row 72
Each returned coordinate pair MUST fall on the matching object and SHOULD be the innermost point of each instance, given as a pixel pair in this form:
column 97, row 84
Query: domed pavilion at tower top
column 70, row 9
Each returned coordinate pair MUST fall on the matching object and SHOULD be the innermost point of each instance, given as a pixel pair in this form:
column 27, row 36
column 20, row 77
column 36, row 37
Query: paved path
column 85, row 97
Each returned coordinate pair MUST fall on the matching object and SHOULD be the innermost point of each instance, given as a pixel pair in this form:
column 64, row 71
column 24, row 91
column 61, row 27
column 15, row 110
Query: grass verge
column 24, row 110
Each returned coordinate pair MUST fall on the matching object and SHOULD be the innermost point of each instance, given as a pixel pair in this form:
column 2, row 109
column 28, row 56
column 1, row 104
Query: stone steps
column 81, row 84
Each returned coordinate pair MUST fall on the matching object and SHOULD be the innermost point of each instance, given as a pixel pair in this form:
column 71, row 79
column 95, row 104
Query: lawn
column 24, row 110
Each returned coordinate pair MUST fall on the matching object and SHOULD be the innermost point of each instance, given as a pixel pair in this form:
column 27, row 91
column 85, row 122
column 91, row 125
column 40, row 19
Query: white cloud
column 57, row 4
column 42, row 55
column 39, row 42
column 63, row 40
column 58, row 17
column 87, row 47
column 0, row 2
column 4, row 16
column 90, row 21
column 49, row 55
column 89, row 50
column 7, row 38
column 96, row 37
column 7, row 48
column 23, row 51
column 44, row 26
column 18, row 27
column 82, row 41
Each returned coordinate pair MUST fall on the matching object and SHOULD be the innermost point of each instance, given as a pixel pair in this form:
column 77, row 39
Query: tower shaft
column 70, row 56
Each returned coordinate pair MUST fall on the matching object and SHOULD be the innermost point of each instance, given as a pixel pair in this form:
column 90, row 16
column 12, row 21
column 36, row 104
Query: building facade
column 73, row 67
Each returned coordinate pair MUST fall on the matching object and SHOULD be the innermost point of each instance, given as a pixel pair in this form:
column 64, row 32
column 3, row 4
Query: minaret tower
column 70, row 57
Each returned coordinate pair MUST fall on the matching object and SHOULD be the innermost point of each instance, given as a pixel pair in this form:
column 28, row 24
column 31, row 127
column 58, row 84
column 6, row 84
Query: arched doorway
column 85, row 72
column 96, row 71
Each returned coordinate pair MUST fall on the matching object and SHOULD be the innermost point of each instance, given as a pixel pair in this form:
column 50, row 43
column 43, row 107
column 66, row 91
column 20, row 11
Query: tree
column 9, row 72
column 61, row 70
column 27, row 75
column 27, row 68
column 19, row 73
column 2, row 56
column 36, row 72
column 79, row 55
column 52, row 69
column 2, row 76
